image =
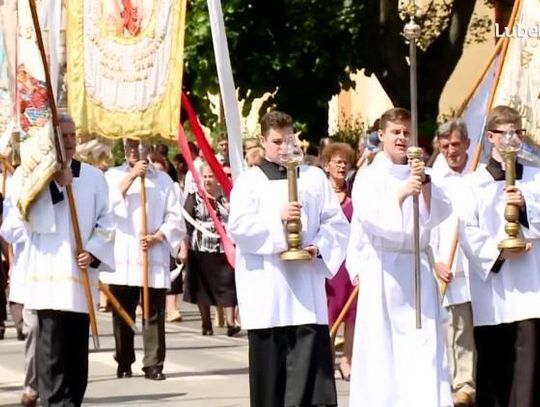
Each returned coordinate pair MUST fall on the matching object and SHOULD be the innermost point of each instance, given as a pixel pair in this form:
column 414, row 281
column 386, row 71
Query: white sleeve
column 333, row 233
column 252, row 231
column 479, row 247
column 173, row 226
column 101, row 241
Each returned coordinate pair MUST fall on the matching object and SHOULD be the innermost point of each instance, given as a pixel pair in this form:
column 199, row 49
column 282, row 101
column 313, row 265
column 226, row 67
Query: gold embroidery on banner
column 526, row 58
column 160, row 117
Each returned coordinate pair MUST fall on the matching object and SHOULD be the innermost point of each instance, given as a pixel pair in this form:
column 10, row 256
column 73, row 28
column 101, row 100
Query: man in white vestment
column 395, row 364
column 53, row 279
column 454, row 141
column 283, row 303
column 166, row 229
column 505, row 284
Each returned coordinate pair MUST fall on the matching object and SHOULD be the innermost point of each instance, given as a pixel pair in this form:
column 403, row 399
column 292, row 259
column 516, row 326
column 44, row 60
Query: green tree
column 306, row 50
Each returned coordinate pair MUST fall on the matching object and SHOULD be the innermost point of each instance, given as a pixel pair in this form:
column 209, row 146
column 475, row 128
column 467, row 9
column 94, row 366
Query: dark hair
column 397, row 114
column 162, row 149
column 179, row 158
column 376, row 125
column 193, row 149
column 275, row 120
column 222, row 137
column 503, row 115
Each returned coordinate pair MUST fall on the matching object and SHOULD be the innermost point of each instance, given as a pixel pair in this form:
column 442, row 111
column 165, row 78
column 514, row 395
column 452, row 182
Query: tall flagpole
column 412, row 32
column 61, row 158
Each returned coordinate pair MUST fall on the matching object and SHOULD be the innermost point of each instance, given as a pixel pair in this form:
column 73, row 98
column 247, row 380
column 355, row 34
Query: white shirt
column 391, row 356
column 512, row 294
column 272, row 292
column 53, row 279
column 163, row 213
column 458, row 291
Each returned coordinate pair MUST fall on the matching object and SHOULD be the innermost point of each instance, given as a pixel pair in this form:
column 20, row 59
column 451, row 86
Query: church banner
column 8, row 29
column 519, row 84
column 125, row 63
column 37, row 149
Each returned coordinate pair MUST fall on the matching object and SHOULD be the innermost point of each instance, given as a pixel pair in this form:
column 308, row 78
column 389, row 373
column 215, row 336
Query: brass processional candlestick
column 411, row 31
column 291, row 158
column 510, row 145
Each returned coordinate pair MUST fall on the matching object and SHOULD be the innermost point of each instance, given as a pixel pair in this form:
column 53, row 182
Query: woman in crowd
column 337, row 159
column 209, row 279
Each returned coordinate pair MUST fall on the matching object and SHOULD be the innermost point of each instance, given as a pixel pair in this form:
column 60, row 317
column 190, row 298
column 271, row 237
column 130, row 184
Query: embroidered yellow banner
column 37, row 149
column 124, row 67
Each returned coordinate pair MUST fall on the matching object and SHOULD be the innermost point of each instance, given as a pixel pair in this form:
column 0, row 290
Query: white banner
column 519, row 85
column 476, row 112
column 226, row 86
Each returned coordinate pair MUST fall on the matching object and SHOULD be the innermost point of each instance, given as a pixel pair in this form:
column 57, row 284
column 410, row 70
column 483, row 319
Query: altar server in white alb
column 166, row 229
column 394, row 364
column 283, row 303
column 505, row 285
column 53, row 279
column 450, row 171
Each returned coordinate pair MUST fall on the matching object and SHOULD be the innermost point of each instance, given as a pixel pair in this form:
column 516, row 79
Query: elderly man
column 450, row 169
column 53, row 281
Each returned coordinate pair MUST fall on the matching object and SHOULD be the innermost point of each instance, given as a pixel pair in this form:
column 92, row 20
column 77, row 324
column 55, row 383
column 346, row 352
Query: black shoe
column 207, row 329
column 21, row 336
column 233, row 330
column 153, row 373
column 122, row 372
column 2, row 331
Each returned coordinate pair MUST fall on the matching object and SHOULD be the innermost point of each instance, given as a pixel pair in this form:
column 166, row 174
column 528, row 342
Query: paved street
column 209, row 371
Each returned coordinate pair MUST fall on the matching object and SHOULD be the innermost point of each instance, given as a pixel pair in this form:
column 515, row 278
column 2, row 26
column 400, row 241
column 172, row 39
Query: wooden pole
column 118, row 307
column 502, row 46
column 72, row 208
column 144, row 232
column 350, row 301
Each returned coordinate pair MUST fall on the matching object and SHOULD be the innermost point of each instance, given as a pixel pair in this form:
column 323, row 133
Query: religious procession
column 193, row 216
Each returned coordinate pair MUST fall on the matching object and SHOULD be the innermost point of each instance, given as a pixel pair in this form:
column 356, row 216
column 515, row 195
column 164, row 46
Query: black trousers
column 3, row 292
column 153, row 331
column 508, row 365
column 62, row 357
column 291, row 366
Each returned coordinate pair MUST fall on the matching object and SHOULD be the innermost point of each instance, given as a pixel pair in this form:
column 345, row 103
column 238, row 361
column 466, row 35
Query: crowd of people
column 479, row 341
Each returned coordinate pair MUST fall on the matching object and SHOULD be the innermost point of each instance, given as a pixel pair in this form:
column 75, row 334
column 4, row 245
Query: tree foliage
column 307, row 49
